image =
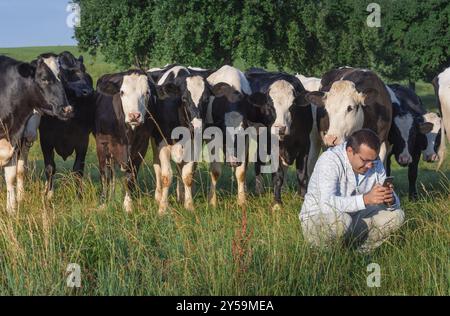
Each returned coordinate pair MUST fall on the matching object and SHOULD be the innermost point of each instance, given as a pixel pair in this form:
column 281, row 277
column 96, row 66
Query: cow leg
column 384, row 151
column 215, row 169
column 78, row 166
column 50, row 170
column 240, row 177
column 302, row 173
column 277, row 180
column 316, row 144
column 166, row 178
column 157, row 169
column 130, row 186
column 180, row 187
column 187, row 175
column 22, row 164
column 412, row 174
column 388, row 165
column 10, row 178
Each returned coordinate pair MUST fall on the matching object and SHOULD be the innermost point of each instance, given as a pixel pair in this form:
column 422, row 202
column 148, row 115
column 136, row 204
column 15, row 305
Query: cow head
column 407, row 132
column 433, row 137
column 45, row 72
column 134, row 89
column 229, row 112
column 277, row 104
column 344, row 106
column 194, row 92
column 77, row 81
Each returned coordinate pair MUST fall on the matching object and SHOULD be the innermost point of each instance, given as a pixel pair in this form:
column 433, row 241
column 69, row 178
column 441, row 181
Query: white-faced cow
column 351, row 99
column 441, row 84
column 122, row 127
column 23, row 88
column 182, row 102
column 278, row 102
column 227, row 109
column 407, row 136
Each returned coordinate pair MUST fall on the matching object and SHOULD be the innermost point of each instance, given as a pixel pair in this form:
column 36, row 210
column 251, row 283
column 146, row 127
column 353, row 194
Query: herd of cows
column 130, row 110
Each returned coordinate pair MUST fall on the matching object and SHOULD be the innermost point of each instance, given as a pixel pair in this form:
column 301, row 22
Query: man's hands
column 380, row 194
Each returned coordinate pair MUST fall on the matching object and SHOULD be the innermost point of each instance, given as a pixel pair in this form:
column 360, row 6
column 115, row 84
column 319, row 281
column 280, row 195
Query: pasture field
column 223, row 251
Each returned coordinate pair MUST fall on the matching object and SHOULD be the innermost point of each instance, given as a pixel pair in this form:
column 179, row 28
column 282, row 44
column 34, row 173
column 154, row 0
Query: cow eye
column 349, row 108
column 121, row 93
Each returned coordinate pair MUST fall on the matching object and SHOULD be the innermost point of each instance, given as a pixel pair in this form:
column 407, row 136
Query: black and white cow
column 25, row 87
column 278, row 102
column 441, row 84
column 122, row 128
column 407, row 135
column 312, row 84
column 227, row 109
column 65, row 137
column 182, row 102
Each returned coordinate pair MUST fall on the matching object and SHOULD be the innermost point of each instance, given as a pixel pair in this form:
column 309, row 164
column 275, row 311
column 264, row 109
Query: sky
column 35, row 23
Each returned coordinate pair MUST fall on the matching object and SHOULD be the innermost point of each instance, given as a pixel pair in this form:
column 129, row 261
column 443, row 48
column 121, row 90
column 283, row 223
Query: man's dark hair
column 363, row 136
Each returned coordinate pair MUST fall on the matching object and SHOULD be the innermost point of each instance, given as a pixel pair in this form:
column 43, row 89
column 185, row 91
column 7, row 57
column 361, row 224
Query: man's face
column 363, row 160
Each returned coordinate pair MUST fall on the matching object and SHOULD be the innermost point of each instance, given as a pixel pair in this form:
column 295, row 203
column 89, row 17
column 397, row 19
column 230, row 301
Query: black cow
column 23, row 88
column 407, row 135
column 279, row 104
column 65, row 137
column 182, row 102
column 122, row 127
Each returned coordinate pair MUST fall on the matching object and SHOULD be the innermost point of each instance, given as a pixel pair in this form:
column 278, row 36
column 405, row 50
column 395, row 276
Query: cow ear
column 223, row 89
column 425, row 127
column 81, row 59
column 258, row 99
column 369, row 96
column 108, row 88
column 26, row 70
column 168, row 90
column 300, row 99
column 316, row 97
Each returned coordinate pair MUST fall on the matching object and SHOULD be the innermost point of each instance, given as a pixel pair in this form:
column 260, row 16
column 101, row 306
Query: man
column 346, row 199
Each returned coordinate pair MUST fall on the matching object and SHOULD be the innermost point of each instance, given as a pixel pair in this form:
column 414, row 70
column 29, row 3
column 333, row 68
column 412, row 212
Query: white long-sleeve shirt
column 333, row 185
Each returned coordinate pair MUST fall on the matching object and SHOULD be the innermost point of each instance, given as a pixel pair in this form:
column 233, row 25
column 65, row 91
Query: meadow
column 223, row 251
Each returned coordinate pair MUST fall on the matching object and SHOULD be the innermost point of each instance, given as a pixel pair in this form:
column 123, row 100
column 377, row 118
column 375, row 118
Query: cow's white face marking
column 282, row 94
column 344, row 106
column 175, row 70
column 134, row 94
column 196, row 87
column 433, row 118
column 404, row 123
column 53, row 64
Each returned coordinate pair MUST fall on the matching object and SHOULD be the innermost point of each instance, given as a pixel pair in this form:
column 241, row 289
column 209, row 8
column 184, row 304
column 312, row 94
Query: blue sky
column 34, row 23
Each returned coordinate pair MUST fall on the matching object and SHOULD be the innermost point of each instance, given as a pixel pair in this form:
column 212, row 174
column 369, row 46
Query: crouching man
column 346, row 199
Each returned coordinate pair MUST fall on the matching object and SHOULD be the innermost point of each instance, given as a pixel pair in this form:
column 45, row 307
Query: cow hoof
column 128, row 204
column 12, row 210
column 189, row 206
column 276, row 207
column 157, row 196
column 213, row 202
column 49, row 195
column 242, row 201
column 102, row 207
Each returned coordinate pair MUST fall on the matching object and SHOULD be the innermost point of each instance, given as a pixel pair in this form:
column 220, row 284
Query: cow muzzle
column 431, row 158
column 66, row 113
column 404, row 160
column 330, row 140
column 134, row 119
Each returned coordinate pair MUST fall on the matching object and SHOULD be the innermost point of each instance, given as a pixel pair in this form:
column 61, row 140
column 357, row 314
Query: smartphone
column 388, row 181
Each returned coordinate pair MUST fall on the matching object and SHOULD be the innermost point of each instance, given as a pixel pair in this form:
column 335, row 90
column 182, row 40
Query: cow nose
column 86, row 92
column 330, row 140
column 405, row 159
column 67, row 109
column 134, row 116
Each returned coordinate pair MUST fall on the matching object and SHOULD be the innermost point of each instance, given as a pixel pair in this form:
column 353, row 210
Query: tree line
column 411, row 38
